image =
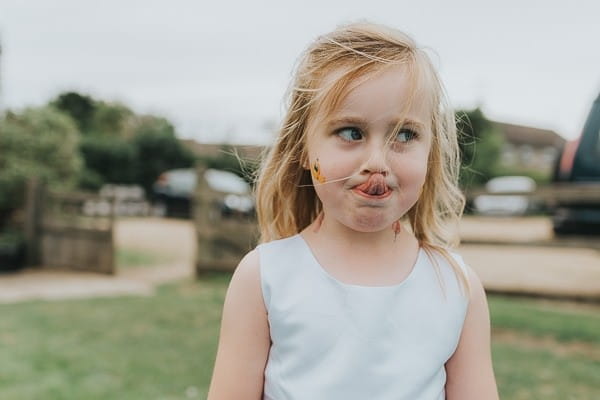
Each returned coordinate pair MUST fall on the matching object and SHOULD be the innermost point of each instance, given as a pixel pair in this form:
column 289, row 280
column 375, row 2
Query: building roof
column 247, row 152
column 535, row 137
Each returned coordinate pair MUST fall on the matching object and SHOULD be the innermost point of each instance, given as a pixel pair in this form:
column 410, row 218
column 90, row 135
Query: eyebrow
column 362, row 123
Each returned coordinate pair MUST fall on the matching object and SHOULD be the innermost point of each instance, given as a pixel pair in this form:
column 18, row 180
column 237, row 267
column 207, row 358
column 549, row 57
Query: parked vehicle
column 173, row 192
column 511, row 204
column 579, row 164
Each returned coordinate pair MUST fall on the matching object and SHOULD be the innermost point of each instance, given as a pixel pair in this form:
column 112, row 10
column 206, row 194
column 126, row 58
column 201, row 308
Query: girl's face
column 368, row 157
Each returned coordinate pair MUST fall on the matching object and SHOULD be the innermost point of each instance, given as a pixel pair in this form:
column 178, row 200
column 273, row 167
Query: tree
column 39, row 142
column 158, row 149
column 119, row 146
column 107, row 160
column 111, row 119
column 79, row 107
column 95, row 117
column 480, row 145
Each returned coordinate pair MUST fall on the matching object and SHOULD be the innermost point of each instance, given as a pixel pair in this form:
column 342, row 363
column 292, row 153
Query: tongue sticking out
column 375, row 186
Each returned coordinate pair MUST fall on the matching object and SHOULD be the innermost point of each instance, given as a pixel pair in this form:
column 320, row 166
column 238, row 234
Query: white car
column 497, row 204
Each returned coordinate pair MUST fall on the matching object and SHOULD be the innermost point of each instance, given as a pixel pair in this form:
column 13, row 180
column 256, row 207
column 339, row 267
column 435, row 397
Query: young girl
column 353, row 293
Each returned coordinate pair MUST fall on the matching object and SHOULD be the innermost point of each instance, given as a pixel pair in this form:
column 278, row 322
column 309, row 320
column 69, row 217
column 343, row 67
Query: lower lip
column 373, row 197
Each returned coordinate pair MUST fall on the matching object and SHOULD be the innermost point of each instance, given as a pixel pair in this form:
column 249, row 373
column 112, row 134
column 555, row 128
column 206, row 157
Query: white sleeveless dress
column 332, row 340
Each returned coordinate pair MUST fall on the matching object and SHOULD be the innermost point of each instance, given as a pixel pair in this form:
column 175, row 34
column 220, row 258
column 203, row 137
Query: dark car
column 579, row 165
column 172, row 193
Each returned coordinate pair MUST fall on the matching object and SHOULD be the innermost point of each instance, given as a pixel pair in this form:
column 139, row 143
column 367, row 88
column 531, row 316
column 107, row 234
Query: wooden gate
column 223, row 239
column 60, row 235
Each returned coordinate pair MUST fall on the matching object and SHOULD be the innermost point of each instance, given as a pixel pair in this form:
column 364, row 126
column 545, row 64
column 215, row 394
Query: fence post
column 34, row 202
column 200, row 210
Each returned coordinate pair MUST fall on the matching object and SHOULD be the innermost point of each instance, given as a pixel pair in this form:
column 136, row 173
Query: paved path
column 536, row 263
column 173, row 239
column 537, row 270
column 543, row 271
column 553, row 268
column 54, row 285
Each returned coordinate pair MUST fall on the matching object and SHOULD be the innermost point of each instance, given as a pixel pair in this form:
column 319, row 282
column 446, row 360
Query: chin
column 370, row 224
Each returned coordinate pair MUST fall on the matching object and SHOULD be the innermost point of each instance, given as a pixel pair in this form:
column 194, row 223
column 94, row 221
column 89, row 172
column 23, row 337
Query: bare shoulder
column 470, row 373
column 244, row 340
column 476, row 290
column 246, row 277
column 244, row 294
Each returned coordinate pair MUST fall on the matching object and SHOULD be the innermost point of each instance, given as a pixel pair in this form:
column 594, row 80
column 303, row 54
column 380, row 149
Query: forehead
column 387, row 92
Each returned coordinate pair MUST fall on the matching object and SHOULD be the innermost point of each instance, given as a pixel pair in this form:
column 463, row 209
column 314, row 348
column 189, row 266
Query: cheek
column 412, row 169
column 326, row 167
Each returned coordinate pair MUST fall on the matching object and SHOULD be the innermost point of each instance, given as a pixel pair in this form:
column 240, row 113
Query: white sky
column 219, row 70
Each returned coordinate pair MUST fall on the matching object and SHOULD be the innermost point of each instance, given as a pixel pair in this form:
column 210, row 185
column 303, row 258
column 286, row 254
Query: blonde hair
column 286, row 199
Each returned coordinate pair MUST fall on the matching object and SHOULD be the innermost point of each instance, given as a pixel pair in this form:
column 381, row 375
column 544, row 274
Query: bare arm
column 470, row 375
column 244, row 340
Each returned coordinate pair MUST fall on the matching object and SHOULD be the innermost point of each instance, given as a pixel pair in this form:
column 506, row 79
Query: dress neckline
column 352, row 286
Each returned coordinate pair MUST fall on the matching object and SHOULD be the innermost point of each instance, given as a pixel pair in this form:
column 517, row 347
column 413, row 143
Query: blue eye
column 350, row 134
column 406, row 135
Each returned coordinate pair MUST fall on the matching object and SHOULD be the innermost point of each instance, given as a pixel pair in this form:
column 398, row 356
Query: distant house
column 246, row 152
column 527, row 148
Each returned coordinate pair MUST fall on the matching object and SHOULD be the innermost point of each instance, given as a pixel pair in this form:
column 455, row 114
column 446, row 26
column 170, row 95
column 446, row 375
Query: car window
column 183, row 179
column 180, row 182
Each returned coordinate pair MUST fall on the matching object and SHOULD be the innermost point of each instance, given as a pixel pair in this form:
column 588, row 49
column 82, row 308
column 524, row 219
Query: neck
column 332, row 233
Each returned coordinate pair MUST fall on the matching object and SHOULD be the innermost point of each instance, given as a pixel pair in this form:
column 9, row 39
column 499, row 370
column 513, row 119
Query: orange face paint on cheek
column 316, row 172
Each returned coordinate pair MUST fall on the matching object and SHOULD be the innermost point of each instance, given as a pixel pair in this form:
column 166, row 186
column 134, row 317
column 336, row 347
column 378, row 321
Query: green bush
column 38, row 142
column 12, row 250
column 90, row 180
column 119, row 146
column 480, row 145
column 108, row 159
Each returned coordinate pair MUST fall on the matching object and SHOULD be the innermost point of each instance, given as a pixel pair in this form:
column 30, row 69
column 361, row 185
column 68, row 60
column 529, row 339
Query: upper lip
column 377, row 180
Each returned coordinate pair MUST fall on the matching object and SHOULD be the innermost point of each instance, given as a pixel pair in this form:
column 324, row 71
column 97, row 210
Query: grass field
column 163, row 346
column 135, row 258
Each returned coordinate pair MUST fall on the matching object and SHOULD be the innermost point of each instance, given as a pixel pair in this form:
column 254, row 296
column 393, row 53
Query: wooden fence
column 223, row 238
column 59, row 235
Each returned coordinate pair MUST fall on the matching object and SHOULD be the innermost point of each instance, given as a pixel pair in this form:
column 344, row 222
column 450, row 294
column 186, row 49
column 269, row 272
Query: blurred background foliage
column 480, row 145
column 37, row 142
column 120, row 146
column 78, row 142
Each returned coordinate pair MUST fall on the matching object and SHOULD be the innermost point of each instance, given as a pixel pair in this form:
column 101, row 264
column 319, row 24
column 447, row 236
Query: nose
column 376, row 160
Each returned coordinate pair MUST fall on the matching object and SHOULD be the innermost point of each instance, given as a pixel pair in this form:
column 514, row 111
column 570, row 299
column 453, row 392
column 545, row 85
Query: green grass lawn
column 163, row 346
column 158, row 347
column 545, row 350
column 135, row 258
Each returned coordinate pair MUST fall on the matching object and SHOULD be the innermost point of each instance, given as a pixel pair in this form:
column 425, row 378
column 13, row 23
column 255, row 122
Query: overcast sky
column 218, row 70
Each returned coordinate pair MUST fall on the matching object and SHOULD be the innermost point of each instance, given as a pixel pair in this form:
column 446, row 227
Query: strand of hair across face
column 326, row 182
